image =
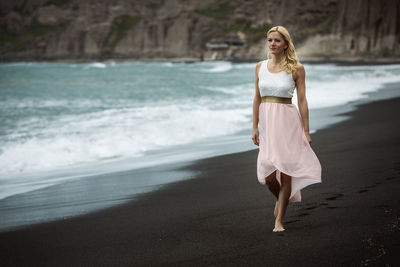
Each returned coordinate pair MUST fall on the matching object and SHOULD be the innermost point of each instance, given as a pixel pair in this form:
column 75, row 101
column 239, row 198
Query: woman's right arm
column 256, row 105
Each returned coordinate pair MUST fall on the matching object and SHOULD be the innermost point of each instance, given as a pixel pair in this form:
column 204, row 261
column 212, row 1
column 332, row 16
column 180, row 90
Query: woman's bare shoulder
column 258, row 64
column 300, row 67
column 300, row 71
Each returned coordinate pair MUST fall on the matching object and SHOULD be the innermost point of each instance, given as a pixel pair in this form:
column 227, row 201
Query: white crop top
column 275, row 84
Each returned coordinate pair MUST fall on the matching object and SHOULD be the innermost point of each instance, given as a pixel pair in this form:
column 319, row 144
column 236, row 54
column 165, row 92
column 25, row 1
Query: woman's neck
column 276, row 59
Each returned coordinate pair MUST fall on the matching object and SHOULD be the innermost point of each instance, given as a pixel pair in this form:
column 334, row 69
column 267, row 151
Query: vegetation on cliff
column 253, row 34
column 219, row 9
column 10, row 40
column 57, row 2
column 154, row 4
column 120, row 25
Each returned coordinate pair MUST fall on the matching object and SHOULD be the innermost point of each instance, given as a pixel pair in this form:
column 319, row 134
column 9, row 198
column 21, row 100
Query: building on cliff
column 225, row 47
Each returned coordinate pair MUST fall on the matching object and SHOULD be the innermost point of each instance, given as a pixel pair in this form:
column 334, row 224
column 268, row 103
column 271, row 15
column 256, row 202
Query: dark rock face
column 152, row 29
column 370, row 26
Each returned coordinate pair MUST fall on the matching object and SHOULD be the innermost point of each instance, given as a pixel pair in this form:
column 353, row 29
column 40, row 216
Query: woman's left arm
column 300, row 79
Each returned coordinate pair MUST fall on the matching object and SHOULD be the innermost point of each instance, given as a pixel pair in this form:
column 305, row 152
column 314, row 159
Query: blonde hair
column 289, row 62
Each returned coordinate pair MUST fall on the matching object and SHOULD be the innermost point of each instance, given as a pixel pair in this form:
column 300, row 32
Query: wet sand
column 224, row 216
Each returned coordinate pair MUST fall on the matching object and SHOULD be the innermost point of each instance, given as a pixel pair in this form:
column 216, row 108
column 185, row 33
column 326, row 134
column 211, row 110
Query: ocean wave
column 72, row 118
column 245, row 65
column 97, row 65
column 167, row 64
column 218, row 67
column 335, row 67
column 115, row 133
column 340, row 87
column 230, row 90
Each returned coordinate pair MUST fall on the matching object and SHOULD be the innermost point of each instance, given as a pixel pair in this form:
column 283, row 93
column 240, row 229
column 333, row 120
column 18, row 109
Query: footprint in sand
column 376, row 184
column 334, row 197
column 303, row 214
column 292, row 221
column 332, row 207
column 311, row 208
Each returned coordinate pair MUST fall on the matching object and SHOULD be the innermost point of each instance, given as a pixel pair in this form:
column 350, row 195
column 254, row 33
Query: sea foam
column 57, row 117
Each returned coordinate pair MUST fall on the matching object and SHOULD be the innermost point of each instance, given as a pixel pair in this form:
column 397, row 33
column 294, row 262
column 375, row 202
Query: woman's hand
column 254, row 136
column 308, row 137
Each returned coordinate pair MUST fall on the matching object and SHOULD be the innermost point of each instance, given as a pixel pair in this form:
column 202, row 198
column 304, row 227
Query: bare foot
column 276, row 209
column 278, row 227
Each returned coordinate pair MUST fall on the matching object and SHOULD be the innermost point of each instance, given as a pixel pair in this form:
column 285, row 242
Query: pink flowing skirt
column 284, row 148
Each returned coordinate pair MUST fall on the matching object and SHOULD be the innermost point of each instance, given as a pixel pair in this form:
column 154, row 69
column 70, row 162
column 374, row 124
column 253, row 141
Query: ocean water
column 62, row 121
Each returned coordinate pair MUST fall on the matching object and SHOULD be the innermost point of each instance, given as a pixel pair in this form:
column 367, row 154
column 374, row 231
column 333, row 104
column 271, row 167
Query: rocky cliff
column 220, row 29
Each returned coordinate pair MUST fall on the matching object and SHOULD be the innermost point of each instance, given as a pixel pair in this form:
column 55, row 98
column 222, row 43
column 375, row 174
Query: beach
column 223, row 216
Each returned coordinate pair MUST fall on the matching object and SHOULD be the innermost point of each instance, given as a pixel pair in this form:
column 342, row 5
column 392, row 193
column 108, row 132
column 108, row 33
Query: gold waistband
column 276, row 99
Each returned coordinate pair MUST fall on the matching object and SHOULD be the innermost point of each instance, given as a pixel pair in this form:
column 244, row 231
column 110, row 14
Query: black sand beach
column 224, row 216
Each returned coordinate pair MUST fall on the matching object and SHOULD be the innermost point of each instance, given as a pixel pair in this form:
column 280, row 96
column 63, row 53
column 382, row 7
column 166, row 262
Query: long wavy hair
column 289, row 62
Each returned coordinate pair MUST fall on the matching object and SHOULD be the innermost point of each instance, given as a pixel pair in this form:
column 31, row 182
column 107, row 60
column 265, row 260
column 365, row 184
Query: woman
column 286, row 162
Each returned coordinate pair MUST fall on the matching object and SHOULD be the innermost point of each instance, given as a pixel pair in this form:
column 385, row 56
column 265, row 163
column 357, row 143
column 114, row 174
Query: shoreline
column 224, row 216
column 133, row 189
column 356, row 61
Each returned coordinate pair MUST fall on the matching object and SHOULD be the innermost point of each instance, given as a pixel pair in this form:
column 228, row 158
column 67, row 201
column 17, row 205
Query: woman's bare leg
column 274, row 187
column 273, row 184
column 283, row 201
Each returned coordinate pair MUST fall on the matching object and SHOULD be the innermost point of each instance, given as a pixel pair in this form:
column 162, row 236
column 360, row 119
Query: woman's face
column 276, row 43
